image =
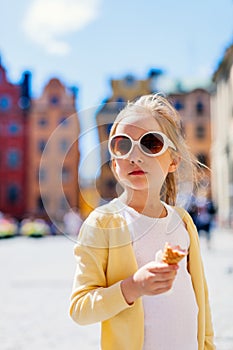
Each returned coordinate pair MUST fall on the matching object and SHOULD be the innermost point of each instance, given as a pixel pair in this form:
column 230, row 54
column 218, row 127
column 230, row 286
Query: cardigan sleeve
column 196, row 254
column 209, row 333
column 199, row 281
column 92, row 300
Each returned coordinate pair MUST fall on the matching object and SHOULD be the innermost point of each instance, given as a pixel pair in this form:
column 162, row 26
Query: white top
column 170, row 318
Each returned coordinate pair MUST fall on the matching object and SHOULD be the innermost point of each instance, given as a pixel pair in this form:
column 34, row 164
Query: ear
column 174, row 164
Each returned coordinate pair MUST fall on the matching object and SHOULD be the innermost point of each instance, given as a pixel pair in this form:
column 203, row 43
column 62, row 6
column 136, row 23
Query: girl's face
column 139, row 171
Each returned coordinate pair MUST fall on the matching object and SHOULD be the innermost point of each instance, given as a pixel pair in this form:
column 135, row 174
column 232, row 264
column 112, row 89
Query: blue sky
column 87, row 42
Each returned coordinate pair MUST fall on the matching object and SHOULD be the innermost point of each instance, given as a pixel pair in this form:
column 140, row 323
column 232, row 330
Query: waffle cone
column 171, row 255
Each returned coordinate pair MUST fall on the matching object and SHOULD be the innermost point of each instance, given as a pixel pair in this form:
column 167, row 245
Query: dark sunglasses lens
column 120, row 145
column 152, row 143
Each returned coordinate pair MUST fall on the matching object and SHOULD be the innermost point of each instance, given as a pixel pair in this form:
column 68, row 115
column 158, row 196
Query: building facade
column 53, row 152
column 14, row 114
column 222, row 140
column 194, row 109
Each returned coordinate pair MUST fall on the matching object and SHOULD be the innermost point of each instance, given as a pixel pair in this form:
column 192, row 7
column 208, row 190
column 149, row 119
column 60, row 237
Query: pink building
column 14, row 106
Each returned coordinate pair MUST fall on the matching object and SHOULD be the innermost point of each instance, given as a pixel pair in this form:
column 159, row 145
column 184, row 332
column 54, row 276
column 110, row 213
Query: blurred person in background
column 205, row 217
column 72, row 222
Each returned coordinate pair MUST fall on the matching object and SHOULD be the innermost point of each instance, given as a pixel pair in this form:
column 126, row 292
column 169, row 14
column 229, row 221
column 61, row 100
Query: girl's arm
column 91, row 299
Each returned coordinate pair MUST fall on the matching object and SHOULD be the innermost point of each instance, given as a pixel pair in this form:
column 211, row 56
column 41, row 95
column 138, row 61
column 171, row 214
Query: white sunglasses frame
column 166, row 143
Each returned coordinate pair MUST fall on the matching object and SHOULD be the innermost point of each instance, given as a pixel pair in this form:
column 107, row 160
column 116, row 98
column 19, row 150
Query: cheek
column 160, row 169
column 164, row 162
column 118, row 167
column 159, row 172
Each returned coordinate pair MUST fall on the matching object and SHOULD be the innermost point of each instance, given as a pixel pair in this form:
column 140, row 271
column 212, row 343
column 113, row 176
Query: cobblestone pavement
column 35, row 283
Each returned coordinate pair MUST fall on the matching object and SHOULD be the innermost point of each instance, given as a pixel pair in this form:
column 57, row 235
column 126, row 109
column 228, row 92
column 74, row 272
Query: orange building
column 194, row 109
column 53, row 152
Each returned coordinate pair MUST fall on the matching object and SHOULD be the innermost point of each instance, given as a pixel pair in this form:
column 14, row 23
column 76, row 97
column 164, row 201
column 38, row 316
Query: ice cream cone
column 173, row 255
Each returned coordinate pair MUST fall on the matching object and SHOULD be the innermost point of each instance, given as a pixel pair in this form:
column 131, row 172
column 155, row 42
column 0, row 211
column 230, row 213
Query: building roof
column 224, row 65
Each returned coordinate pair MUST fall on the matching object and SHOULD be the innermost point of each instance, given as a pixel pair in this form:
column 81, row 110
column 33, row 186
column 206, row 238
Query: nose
column 136, row 156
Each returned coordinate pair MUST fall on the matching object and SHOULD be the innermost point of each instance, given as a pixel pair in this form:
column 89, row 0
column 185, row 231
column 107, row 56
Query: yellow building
column 53, row 152
column 123, row 90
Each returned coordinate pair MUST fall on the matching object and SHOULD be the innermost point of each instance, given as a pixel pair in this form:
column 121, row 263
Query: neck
column 147, row 204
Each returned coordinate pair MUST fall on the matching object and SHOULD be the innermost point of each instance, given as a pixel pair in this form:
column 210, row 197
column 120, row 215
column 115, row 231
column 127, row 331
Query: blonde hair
column 170, row 123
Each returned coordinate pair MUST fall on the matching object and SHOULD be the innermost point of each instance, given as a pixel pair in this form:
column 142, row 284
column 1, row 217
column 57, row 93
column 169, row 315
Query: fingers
column 157, row 287
column 161, row 286
column 155, row 278
column 158, row 291
column 161, row 267
column 150, row 279
column 164, row 276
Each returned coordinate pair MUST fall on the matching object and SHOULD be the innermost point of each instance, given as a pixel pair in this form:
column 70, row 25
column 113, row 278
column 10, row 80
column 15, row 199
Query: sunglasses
column 152, row 144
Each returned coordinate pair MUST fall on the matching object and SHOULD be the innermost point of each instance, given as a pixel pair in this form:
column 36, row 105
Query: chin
column 138, row 186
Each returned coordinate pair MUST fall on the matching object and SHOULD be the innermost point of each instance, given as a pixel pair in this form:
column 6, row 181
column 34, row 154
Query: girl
column 143, row 303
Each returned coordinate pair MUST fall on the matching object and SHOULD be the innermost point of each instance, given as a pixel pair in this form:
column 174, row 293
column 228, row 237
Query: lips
column 137, row 172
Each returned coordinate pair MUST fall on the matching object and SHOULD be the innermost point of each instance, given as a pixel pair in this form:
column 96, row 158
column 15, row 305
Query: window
column 200, row 132
column 129, row 80
column 41, row 145
column 42, row 122
column 65, row 174
column 64, row 146
column 5, row 102
column 199, row 108
column 14, row 129
column 13, row 193
column 120, row 100
column 178, row 105
column 54, row 100
column 13, row 158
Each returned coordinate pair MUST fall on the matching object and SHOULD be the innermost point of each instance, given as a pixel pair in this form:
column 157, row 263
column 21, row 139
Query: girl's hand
column 151, row 279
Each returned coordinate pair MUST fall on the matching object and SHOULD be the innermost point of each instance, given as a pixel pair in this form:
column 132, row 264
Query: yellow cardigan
column 105, row 257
